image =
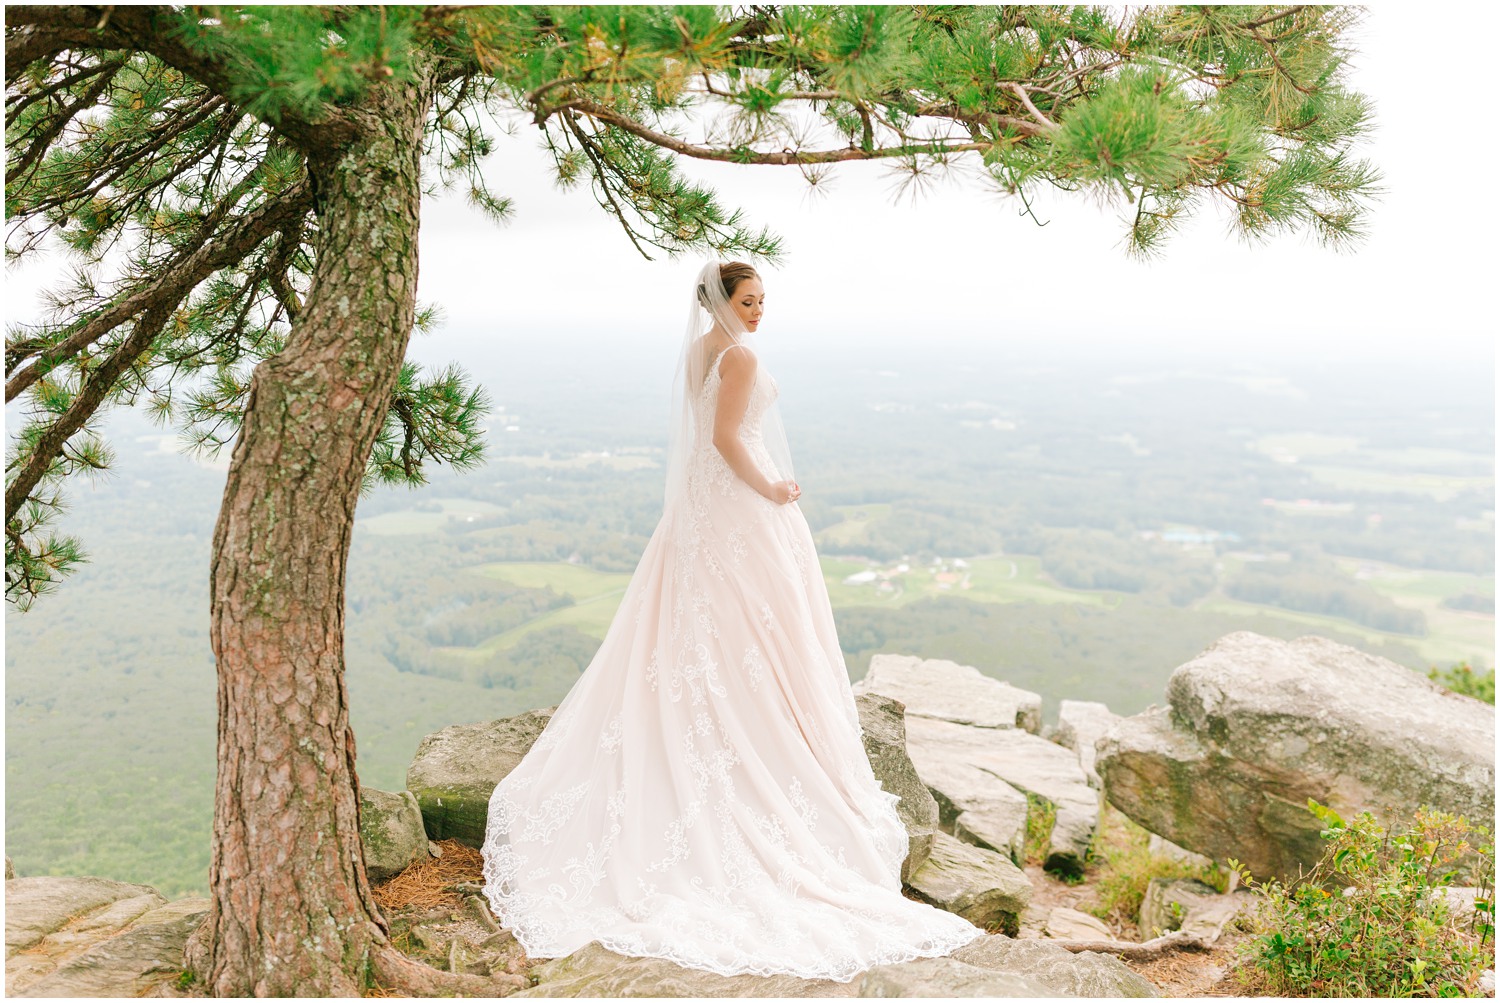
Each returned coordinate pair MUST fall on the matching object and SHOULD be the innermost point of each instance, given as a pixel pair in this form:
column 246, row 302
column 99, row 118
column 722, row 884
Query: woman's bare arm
column 736, row 380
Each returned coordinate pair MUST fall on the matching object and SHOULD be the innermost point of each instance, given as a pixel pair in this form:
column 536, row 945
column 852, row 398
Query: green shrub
column 1371, row 918
column 1461, row 678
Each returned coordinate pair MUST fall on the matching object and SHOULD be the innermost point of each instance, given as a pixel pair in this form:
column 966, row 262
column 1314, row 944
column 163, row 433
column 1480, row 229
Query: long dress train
column 702, row 793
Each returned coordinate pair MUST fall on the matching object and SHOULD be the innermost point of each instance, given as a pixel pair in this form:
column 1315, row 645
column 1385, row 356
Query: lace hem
column 938, row 944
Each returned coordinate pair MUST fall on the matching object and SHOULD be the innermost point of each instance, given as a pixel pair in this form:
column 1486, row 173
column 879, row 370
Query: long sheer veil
column 706, row 304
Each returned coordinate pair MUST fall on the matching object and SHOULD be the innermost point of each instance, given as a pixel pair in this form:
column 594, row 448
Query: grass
column 1124, row 866
column 1041, row 816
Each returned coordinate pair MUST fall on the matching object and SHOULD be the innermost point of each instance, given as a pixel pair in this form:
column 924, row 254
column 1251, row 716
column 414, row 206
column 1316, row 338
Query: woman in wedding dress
column 702, row 793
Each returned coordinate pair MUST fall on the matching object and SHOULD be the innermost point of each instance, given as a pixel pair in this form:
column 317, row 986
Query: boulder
column 936, row 687
column 1024, row 762
column 391, row 828
column 883, row 723
column 91, row 937
column 455, row 771
column 1081, row 723
column 1191, row 906
column 926, row 978
column 1256, row 726
column 1063, row 923
column 980, row 885
column 595, row 971
column 974, row 804
column 1064, row 972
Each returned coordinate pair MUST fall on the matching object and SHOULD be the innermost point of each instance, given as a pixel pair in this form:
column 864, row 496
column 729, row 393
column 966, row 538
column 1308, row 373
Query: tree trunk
column 292, row 912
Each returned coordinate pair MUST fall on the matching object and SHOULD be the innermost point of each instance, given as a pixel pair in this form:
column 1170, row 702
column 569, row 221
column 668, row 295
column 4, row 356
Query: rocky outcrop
column 595, row 971
column 926, row 978
column 883, row 723
column 455, row 771
column 1191, row 906
column 92, row 937
column 983, row 761
column 1256, row 726
column 973, row 804
column 1081, row 723
column 936, row 687
column 982, row 886
column 391, row 828
column 993, row 965
column 1064, row 972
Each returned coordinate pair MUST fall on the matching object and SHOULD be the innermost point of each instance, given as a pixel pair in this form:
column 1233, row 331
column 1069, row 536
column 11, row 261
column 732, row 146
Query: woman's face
column 749, row 302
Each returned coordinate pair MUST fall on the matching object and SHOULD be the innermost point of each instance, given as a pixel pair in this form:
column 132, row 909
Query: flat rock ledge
column 936, row 687
column 992, row 965
column 92, row 937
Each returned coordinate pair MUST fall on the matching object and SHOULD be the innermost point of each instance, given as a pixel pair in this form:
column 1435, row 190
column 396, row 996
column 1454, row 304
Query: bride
column 702, row 793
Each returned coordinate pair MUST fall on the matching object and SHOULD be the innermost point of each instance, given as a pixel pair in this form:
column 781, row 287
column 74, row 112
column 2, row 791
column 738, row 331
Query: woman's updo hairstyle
column 731, row 274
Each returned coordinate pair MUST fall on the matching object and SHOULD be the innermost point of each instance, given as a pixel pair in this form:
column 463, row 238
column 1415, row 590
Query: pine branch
column 744, row 155
column 160, row 31
column 244, row 235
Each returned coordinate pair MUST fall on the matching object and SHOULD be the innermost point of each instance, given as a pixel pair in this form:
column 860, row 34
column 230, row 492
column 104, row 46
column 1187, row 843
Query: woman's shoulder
column 735, row 358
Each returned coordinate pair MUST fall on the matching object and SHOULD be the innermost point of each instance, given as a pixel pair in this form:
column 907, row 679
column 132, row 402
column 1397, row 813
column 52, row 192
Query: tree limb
column 157, row 30
column 249, row 231
column 745, row 155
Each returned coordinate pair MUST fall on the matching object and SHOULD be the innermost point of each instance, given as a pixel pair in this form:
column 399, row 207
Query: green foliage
column 1124, row 867
column 1461, row 678
column 1041, row 816
column 1372, row 917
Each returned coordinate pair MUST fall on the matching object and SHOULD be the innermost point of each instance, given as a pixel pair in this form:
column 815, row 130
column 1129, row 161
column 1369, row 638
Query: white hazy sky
column 961, row 261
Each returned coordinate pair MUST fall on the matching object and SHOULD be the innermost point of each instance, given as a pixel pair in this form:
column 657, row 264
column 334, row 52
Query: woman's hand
column 783, row 492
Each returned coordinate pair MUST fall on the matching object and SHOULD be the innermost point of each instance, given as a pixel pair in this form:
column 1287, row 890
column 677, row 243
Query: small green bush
column 1371, row 918
column 1461, row 678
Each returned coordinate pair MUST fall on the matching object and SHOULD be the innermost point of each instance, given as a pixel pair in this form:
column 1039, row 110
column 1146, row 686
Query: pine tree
column 260, row 171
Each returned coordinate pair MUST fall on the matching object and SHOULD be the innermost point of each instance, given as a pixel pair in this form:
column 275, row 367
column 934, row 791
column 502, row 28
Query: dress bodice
column 762, row 395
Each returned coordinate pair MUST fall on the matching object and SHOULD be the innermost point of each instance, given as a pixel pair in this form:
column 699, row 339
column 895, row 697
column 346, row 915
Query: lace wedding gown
column 702, row 793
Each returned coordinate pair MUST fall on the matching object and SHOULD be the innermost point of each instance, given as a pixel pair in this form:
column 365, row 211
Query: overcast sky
column 961, row 261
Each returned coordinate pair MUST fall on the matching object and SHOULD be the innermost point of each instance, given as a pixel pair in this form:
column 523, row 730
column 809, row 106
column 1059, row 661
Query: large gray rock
column 936, row 687
column 1065, row 973
column 977, row 806
column 455, row 771
column 1064, row 923
column 925, row 978
column 883, row 722
column 92, row 937
column 1256, row 726
column 1191, row 906
column 1081, row 723
column 391, row 828
column 38, row 907
column 980, row 885
column 593, row 971
column 1023, row 761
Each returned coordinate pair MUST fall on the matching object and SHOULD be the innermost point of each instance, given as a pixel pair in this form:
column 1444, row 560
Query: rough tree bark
column 291, row 908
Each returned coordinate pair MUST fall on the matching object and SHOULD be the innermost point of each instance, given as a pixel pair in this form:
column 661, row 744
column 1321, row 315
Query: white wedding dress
column 702, row 793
